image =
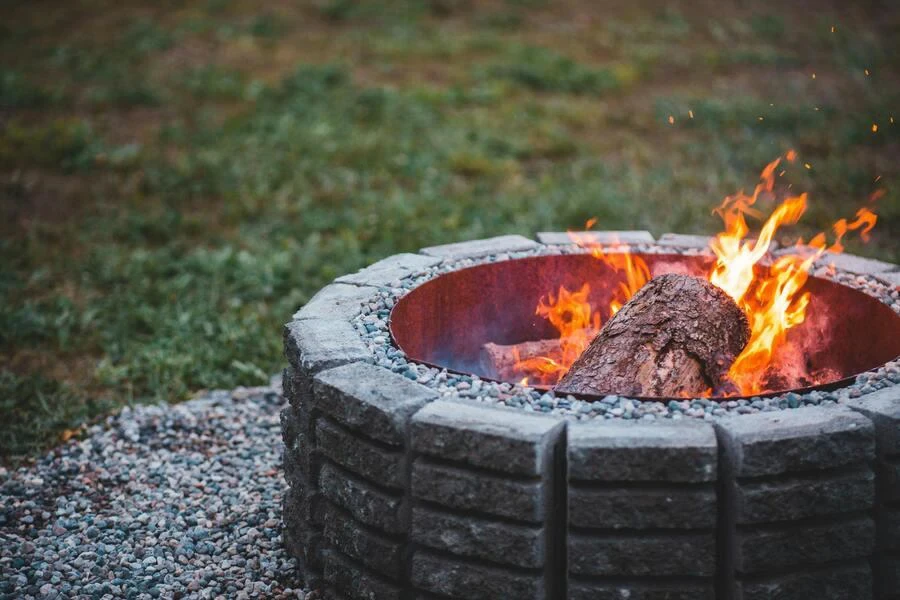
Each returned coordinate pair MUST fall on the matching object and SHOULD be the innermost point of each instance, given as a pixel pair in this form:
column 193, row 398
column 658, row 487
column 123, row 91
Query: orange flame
column 772, row 297
column 573, row 316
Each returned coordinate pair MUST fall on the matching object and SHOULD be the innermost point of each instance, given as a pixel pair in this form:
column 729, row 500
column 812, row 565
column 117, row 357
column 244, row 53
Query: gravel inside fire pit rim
column 372, row 325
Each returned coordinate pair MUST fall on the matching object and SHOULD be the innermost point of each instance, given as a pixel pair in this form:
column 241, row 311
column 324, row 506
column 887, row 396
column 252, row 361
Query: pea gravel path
column 180, row 501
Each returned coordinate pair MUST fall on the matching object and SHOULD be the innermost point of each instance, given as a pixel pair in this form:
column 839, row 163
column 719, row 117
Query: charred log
column 499, row 361
column 677, row 337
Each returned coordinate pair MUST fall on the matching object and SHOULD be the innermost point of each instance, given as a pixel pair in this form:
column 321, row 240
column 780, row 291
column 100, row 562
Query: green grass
column 175, row 183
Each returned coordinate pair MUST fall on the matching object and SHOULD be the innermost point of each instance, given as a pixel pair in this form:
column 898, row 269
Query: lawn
column 176, row 178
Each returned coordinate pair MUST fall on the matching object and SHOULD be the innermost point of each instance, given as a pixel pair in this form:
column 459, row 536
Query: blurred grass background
column 177, row 177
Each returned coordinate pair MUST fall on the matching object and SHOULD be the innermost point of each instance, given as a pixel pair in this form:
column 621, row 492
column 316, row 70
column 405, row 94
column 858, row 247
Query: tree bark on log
column 499, row 361
column 677, row 337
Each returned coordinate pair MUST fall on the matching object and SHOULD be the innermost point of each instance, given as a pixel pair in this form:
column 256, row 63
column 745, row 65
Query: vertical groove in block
column 557, row 524
column 883, row 409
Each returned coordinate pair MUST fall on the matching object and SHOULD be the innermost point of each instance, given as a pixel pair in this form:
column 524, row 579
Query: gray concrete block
column 883, row 408
column 890, row 279
column 651, row 554
column 465, row 489
column 389, row 269
column 682, row 240
column 565, row 238
column 338, row 301
column 777, row 548
column 370, row 399
column 889, row 530
column 796, row 440
column 479, row 538
column 300, row 464
column 485, row 247
column 302, row 532
column 888, row 578
column 804, row 496
column 887, row 477
column 290, row 424
column 643, row 590
column 318, row 344
column 858, row 264
column 355, row 582
column 508, row 440
column 468, row 581
column 365, row 502
column 642, row 507
column 374, row 550
column 630, row 451
column 836, row 583
column 371, row 461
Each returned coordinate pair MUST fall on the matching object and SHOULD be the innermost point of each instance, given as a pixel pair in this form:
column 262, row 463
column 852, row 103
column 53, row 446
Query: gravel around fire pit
column 180, row 501
column 372, row 324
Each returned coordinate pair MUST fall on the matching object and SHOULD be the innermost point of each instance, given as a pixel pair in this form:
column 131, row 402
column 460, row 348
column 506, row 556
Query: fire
column 573, row 316
column 771, row 296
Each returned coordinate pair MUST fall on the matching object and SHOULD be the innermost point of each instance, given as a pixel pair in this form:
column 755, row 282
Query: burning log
column 499, row 361
column 677, row 337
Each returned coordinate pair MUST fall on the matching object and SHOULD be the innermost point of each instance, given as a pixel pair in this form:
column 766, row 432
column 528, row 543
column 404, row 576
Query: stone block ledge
column 395, row 492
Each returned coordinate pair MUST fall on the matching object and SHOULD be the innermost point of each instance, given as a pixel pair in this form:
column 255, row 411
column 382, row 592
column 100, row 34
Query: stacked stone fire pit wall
column 398, row 493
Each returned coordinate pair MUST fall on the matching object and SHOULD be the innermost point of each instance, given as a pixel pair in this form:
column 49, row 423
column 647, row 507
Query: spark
column 782, row 173
column 813, row 75
column 807, row 165
column 866, row 71
column 833, row 29
column 760, row 118
column 691, row 114
column 671, row 120
column 874, row 127
column 877, row 178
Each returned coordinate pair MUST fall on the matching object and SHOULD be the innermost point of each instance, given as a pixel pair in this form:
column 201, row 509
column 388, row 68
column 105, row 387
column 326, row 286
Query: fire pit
column 412, row 474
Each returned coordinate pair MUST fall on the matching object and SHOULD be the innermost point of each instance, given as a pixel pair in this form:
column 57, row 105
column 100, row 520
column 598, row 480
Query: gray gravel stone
column 190, row 506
